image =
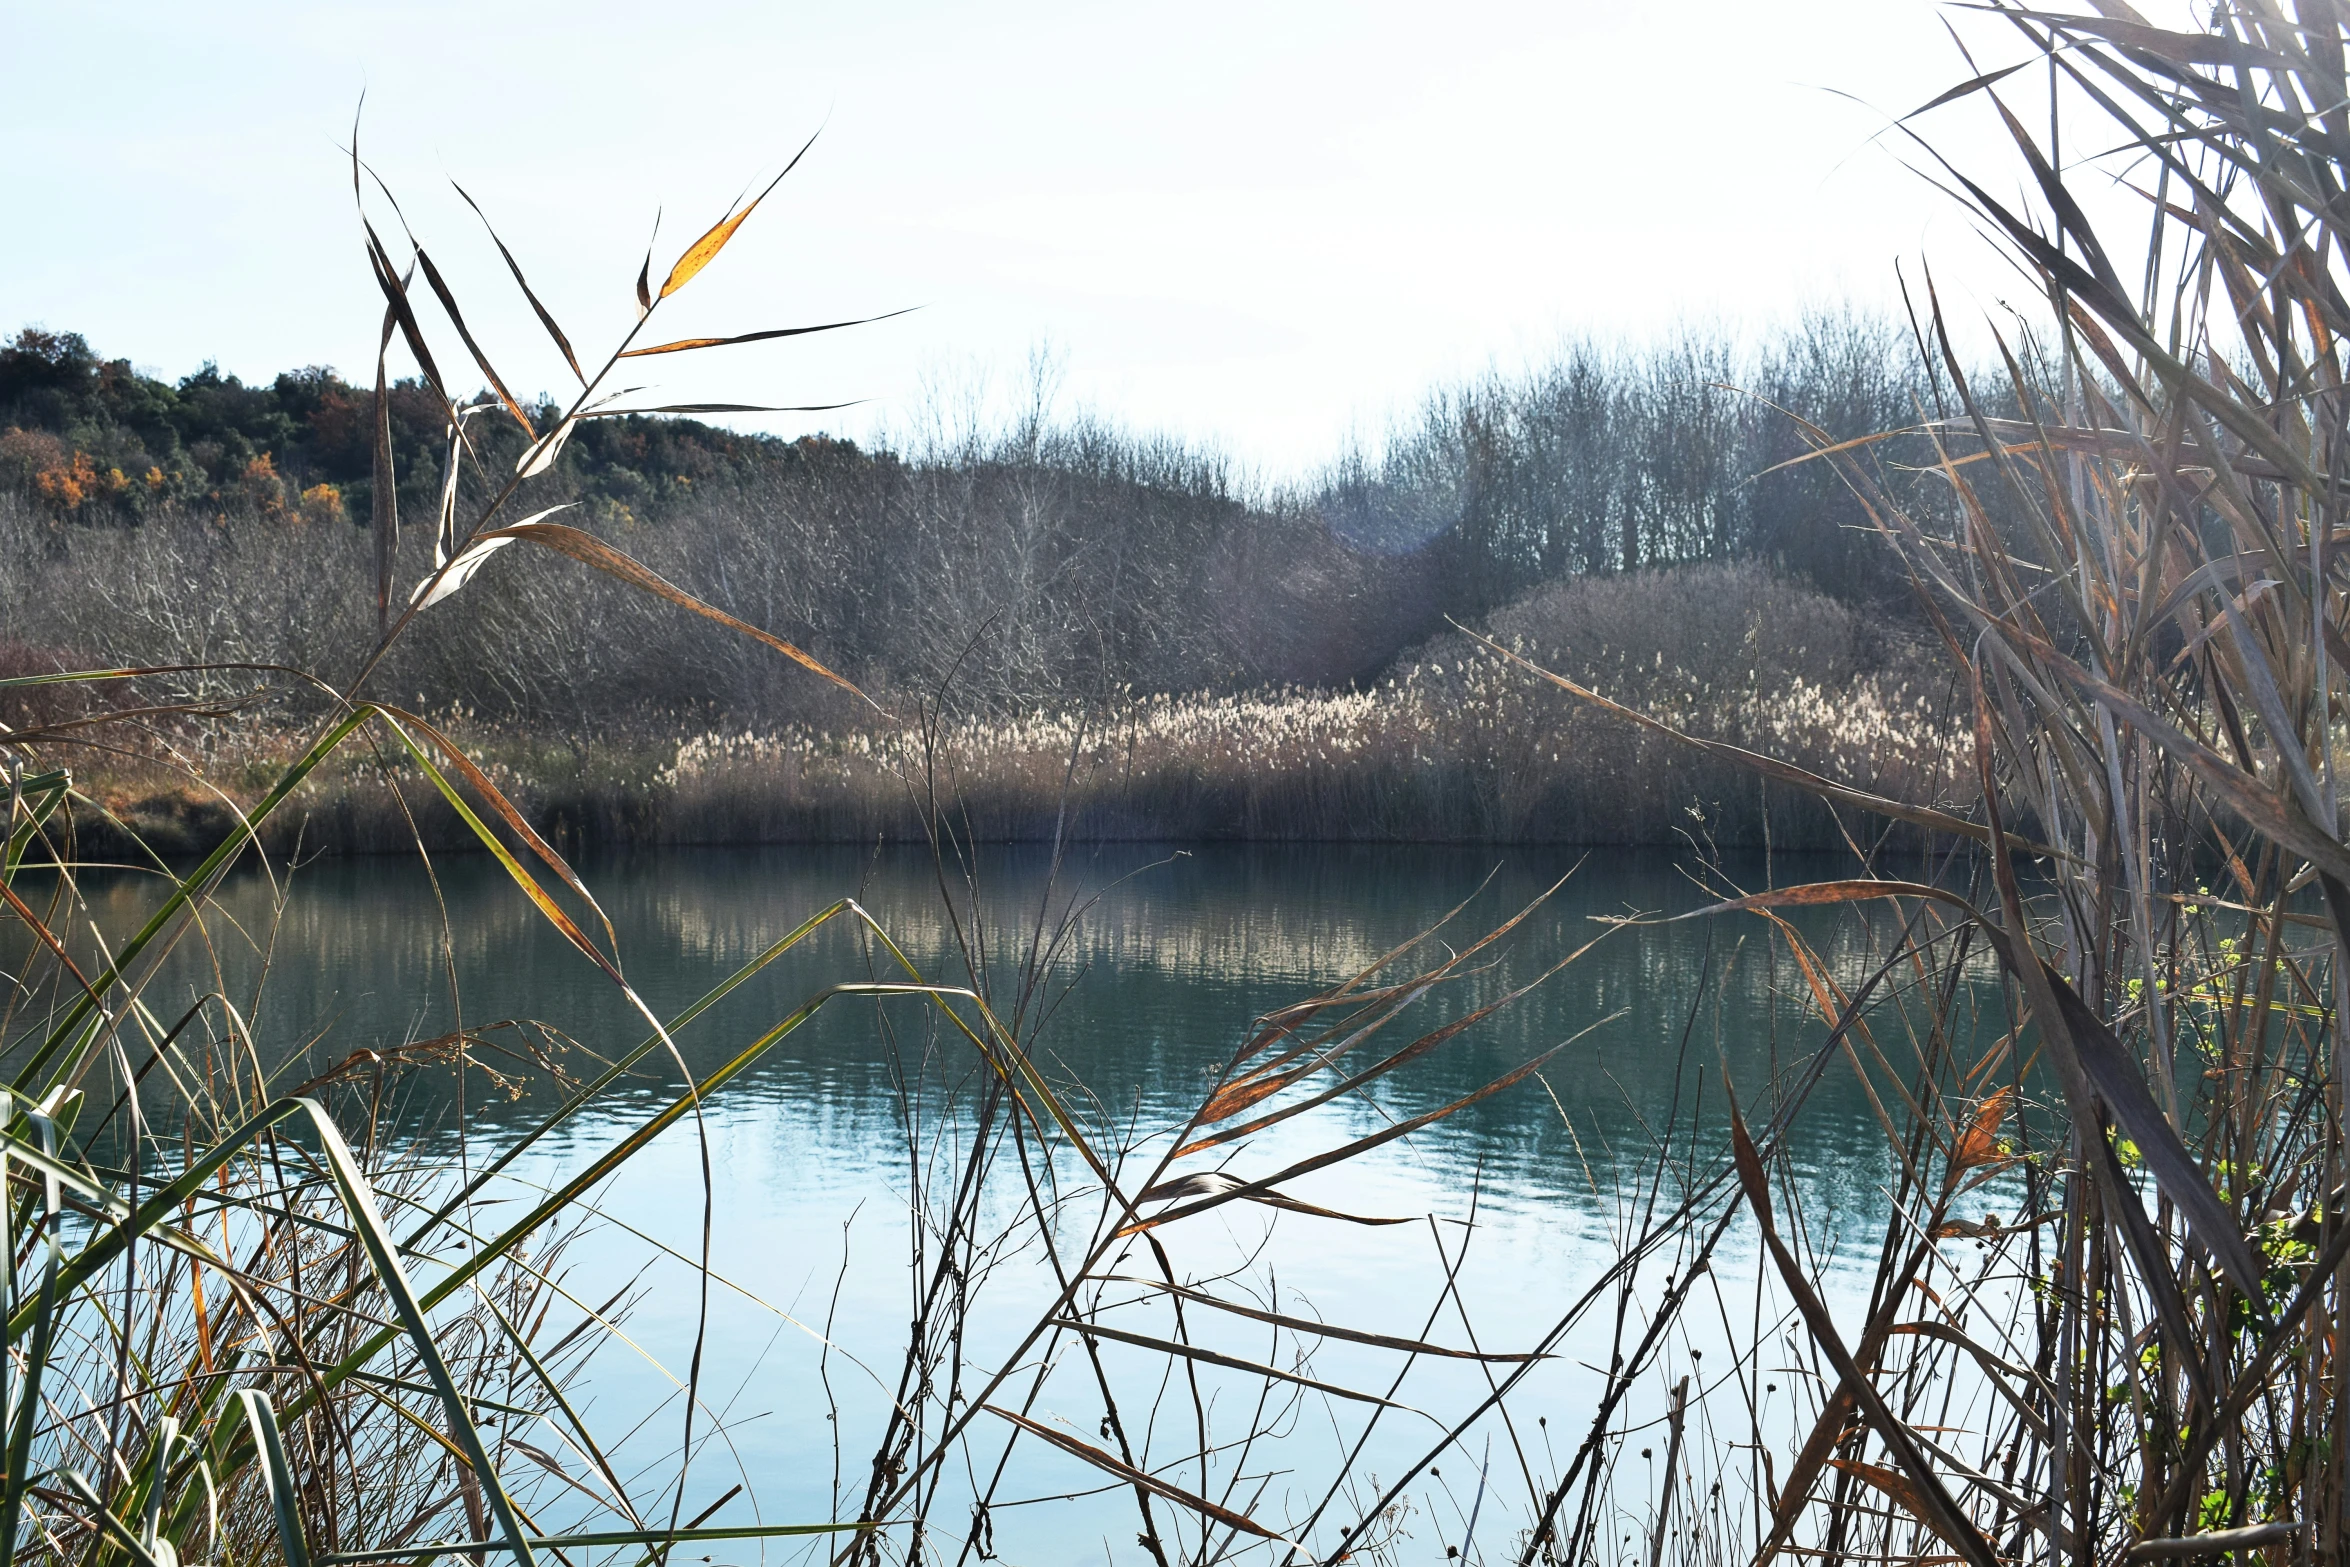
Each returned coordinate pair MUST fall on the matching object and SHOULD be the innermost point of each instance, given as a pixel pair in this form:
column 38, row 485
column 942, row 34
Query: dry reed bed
column 1452, row 747
column 1464, row 751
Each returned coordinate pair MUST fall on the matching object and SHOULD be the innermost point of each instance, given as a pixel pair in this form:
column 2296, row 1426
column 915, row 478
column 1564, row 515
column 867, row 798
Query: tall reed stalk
column 239, row 1322
column 2137, row 570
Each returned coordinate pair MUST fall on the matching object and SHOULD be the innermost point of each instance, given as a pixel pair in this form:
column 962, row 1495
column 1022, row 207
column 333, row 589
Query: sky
column 1268, row 227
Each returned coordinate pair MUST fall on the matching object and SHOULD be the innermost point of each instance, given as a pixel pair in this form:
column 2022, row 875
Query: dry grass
column 246, row 1322
column 2112, row 1006
column 2135, row 564
column 1453, row 747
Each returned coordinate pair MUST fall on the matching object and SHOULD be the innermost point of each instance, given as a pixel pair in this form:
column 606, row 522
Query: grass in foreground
column 245, row 1321
column 2136, row 570
column 2144, row 1361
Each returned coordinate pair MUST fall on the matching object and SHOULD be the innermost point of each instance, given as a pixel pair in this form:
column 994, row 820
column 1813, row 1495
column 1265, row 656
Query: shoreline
column 1616, row 788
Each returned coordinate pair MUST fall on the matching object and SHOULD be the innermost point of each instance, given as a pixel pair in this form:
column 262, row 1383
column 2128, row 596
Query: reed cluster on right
column 2134, row 563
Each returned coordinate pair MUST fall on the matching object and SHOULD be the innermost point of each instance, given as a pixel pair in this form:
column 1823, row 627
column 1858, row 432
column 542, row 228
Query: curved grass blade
column 158, row 1469
column 33, row 800
column 1409, row 1053
column 1380, row 1007
column 1904, row 1493
column 1229, row 1362
column 538, row 895
column 27, row 1390
column 705, row 250
column 395, row 292
column 590, row 550
column 269, row 1450
column 48, row 938
column 383, row 493
column 1939, row 1511
column 383, row 1260
column 2001, row 1373
column 540, row 455
column 1360, row 1145
column 553, row 1388
column 546, row 318
column 1139, row 1477
column 459, row 568
column 1409, row 1346
column 688, row 344
column 432, row 276
column 114, row 1528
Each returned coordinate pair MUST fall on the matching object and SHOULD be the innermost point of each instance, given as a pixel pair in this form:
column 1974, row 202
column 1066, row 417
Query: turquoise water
column 834, row 1155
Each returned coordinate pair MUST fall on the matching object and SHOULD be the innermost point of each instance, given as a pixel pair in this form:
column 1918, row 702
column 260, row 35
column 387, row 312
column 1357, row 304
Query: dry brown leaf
column 1979, row 1144
column 1133, row 1476
column 470, row 560
column 1902, row 1490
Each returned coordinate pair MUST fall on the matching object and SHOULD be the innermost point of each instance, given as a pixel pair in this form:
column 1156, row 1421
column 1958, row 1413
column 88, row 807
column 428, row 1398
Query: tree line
column 992, row 565
column 93, row 440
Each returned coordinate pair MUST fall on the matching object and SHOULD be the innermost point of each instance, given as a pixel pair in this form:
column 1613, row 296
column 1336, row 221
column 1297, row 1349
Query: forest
column 1040, row 559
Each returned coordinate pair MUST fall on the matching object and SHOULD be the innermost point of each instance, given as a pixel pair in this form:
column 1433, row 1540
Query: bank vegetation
column 2105, row 1314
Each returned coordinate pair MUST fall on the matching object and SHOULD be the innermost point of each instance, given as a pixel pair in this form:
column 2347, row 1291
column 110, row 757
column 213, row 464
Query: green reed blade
column 28, row 1406
column 110, row 1527
column 270, row 1451
column 167, row 1436
column 383, row 1258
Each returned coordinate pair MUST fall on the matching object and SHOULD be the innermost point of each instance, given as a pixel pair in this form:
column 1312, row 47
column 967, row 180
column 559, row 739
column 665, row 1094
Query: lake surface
column 829, row 1156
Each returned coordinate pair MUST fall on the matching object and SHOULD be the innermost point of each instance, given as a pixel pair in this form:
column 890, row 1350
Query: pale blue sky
column 1264, row 225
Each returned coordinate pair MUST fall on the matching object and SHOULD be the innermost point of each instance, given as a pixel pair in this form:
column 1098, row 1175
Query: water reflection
column 1166, row 960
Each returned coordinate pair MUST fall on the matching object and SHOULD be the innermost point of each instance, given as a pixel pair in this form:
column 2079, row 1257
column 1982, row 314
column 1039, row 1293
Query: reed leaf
column 688, row 344
column 1133, row 1476
column 1211, row 1357
column 705, row 250
column 546, row 317
column 592, row 551
column 270, row 1450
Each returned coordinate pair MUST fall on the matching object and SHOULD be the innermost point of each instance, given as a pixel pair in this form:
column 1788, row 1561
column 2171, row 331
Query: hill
column 94, row 439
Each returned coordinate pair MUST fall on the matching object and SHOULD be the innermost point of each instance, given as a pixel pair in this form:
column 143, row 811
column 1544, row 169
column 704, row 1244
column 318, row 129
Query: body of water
column 833, row 1159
